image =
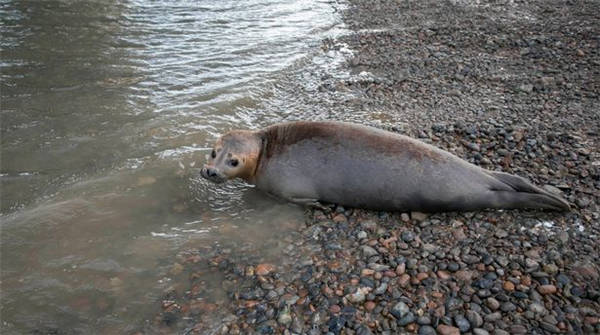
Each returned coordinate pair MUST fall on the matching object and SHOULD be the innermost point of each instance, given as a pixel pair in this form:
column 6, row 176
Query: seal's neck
column 254, row 157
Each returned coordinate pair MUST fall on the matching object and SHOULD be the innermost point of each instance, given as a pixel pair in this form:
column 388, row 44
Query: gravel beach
column 507, row 85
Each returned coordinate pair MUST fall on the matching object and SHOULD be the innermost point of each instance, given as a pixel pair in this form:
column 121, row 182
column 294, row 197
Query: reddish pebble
column 547, row 289
column 464, row 275
column 448, row 330
column 437, row 294
column 400, row 269
column 369, row 305
column 443, row 275
column 422, row 276
column 334, row 309
column 508, row 286
column 389, row 273
column 264, row 269
column 250, row 303
column 367, row 272
column 404, row 280
column 339, row 218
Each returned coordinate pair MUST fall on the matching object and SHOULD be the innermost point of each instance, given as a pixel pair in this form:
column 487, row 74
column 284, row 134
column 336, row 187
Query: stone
column 284, row 317
column 427, row 330
column 407, row 236
column 518, row 329
column 537, row 308
column 501, row 233
column 399, row 310
column 418, row 216
column 357, row 297
column 264, row 269
column 406, row 319
column 447, row 330
column 493, row 317
column 368, row 251
column 508, row 286
column 462, row 323
column 443, row 275
column 492, row 303
column 474, row 318
column 547, row 289
column 508, row 307
column 404, row 280
column 480, row 331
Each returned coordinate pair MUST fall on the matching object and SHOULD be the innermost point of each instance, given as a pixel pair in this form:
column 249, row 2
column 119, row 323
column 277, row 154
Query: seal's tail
column 527, row 195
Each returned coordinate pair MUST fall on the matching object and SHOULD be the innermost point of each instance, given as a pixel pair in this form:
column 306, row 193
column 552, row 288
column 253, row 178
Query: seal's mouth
column 213, row 175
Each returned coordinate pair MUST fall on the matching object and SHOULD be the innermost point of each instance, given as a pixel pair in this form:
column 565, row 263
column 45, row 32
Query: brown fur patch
column 280, row 136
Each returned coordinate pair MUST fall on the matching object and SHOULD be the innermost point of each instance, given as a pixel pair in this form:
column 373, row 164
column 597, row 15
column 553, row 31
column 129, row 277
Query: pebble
column 368, row 251
column 474, row 318
column 447, row 330
column 480, row 331
column 427, row 330
column 537, row 308
column 501, row 233
column 462, row 323
column 418, row 216
column 264, row 269
column 408, row 236
column 406, row 319
column 357, row 297
column 508, row 286
column 518, row 329
column 453, row 267
column 492, row 303
column 284, row 317
column 508, row 307
column 399, row 310
column 492, row 317
column 547, row 289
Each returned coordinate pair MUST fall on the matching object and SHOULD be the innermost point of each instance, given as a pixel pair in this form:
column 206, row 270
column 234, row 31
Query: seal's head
column 235, row 155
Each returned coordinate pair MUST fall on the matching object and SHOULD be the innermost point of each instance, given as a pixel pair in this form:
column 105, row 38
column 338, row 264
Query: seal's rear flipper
column 527, row 195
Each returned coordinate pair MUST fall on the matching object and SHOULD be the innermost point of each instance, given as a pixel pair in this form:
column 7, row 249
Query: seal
column 363, row 167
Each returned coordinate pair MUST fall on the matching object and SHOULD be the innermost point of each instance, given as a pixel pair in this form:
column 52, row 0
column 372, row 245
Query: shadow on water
column 107, row 111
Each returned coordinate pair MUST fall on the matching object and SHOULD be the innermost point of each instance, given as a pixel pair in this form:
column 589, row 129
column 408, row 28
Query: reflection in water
column 108, row 108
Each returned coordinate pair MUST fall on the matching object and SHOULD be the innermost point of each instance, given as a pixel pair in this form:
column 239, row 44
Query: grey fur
column 364, row 167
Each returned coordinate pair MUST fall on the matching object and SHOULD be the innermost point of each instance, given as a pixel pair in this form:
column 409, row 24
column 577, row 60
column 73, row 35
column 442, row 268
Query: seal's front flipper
column 308, row 202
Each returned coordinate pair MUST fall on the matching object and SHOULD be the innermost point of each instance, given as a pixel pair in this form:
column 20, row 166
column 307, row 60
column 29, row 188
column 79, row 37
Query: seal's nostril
column 211, row 172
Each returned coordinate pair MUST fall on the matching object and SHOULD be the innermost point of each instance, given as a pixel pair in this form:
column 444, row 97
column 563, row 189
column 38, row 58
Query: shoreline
column 510, row 87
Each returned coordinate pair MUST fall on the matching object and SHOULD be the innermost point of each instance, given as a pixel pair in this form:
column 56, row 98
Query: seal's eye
column 234, row 162
column 213, row 154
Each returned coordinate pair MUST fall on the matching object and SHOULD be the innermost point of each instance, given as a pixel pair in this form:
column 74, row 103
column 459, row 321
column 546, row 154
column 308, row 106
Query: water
column 107, row 111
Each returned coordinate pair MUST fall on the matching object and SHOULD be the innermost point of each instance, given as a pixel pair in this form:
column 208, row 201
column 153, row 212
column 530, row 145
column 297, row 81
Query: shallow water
column 108, row 109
